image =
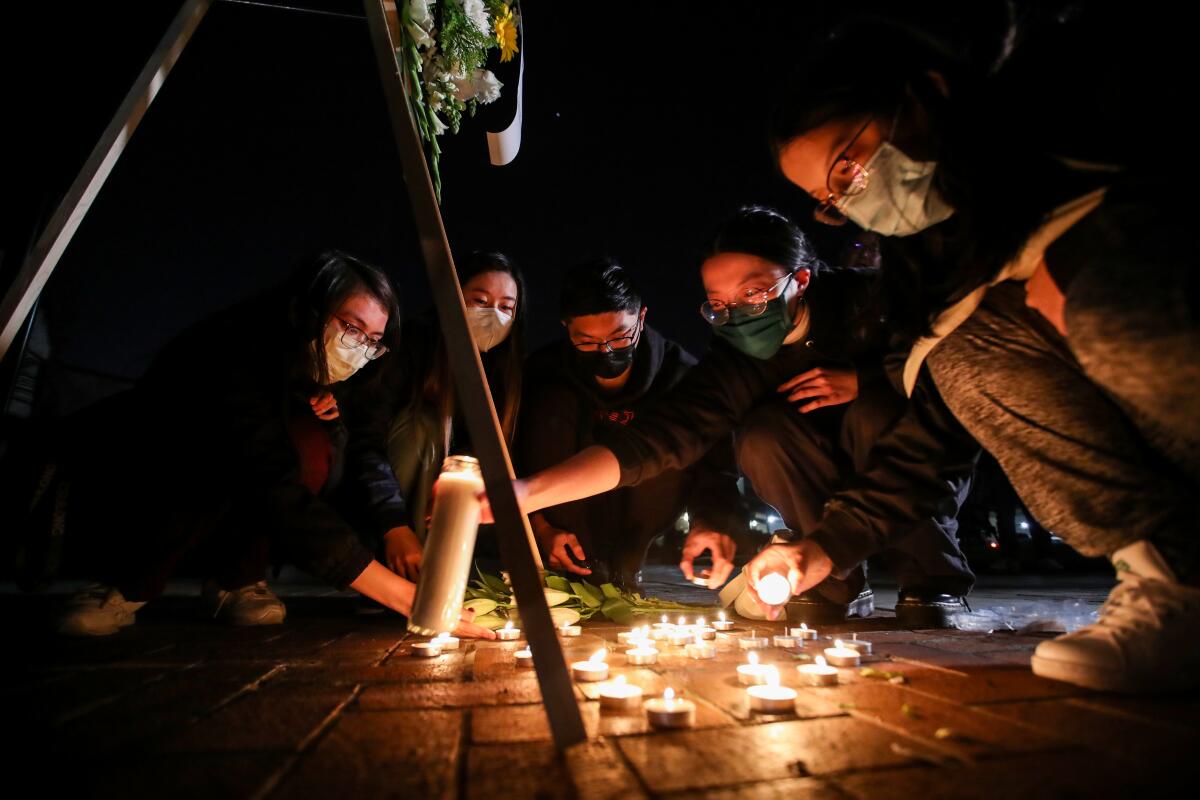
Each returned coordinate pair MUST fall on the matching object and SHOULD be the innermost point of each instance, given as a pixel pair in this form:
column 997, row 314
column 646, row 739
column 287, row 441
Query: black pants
column 796, row 462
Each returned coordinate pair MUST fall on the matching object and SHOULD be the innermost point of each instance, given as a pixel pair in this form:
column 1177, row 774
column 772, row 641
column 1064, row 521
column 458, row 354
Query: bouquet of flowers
column 444, row 50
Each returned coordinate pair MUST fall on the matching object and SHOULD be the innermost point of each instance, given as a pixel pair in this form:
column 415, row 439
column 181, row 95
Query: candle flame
column 620, row 679
column 803, row 626
column 752, row 657
column 699, row 639
column 700, row 622
column 443, row 635
column 772, row 677
column 599, row 655
column 664, row 619
column 508, row 625
column 839, row 644
column 721, row 616
column 682, row 622
column 821, row 661
column 669, row 694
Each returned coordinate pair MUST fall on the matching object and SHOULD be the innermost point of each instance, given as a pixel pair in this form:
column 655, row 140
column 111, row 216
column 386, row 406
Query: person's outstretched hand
column 467, row 629
column 803, row 563
column 402, row 552
column 822, row 387
column 559, row 546
column 324, row 405
column 719, row 545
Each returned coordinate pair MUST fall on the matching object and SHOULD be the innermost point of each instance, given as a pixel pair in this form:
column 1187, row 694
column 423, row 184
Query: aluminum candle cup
column 446, row 641
column 617, row 695
column 426, row 649
column 508, row 633
column 641, row 656
column 841, row 656
column 861, row 645
column 702, row 630
column 594, row 669
column 771, row 698
column 803, row 633
column 570, row 630
column 449, row 547
column 524, row 657
column 723, row 624
column 678, row 638
column 700, row 649
column 753, row 641
column 780, row 640
column 669, row 711
column 818, row 674
column 752, row 672
column 661, row 634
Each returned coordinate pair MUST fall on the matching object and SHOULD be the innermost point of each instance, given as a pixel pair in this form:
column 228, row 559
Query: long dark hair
column 504, row 363
column 316, row 292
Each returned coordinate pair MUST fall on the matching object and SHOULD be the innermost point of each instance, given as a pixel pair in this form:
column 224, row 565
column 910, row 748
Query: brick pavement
column 331, row 703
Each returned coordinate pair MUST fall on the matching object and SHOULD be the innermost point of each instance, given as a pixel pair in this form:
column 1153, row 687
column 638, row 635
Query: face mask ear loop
column 890, row 189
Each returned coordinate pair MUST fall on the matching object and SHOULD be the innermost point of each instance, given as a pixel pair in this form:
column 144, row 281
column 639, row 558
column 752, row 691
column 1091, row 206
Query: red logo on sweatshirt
column 620, row 417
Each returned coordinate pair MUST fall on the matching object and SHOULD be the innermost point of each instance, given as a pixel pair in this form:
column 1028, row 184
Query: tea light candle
column 782, row 640
column 617, row 695
column 634, row 636
column 819, row 673
column 753, row 641
column 508, row 633
column 841, row 656
column 594, row 669
column 641, row 655
column 773, row 589
column 803, row 633
column 446, row 641
column 699, row 649
column 426, row 649
column 670, row 711
column 723, row 624
column 570, row 630
column 702, row 630
column 771, row 698
column 679, row 637
column 524, row 657
column 663, row 624
column 752, row 672
column 661, row 634
column 701, row 582
column 861, row 645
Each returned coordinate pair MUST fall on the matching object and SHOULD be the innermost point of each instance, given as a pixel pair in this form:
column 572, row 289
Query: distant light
column 1023, row 526
column 994, row 545
column 772, row 519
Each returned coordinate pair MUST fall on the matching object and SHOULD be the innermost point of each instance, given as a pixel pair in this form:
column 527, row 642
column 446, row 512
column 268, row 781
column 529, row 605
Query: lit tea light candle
column 700, row 582
column 699, row 649
column 634, row 636
column 783, row 640
column 702, row 630
column 508, row 633
column 570, row 630
column 723, row 624
column 803, row 633
column 670, row 711
column 771, row 698
column 661, row 634
column 679, row 637
column 682, row 624
column 617, row 695
column 663, row 624
column 841, row 656
column 426, row 649
column 819, row 673
column 773, row 589
column 594, row 669
column 641, row 655
column 861, row 645
column 524, row 657
column 753, row 641
column 445, row 641
column 752, row 672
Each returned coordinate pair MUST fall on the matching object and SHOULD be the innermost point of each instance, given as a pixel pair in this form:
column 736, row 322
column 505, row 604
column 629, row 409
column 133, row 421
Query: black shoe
column 814, row 609
column 918, row 608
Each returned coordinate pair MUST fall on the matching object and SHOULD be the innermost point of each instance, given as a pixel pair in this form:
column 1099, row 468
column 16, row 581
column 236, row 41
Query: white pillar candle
column 508, row 633
column 426, row 649
column 818, row 674
column 771, row 698
column 752, row 672
column 723, row 624
column 773, row 589
column 803, row 633
column 753, row 641
column 594, row 669
column 700, row 649
column 445, row 641
column 641, row 655
column 781, row 640
column 861, row 645
column 670, row 711
column 841, row 656
column 524, row 657
column 617, row 695
column 570, row 630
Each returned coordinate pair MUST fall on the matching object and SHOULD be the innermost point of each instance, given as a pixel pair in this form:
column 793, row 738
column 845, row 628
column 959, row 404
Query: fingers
column 470, row 630
column 795, row 580
column 721, row 567
column 485, row 509
column 413, row 567
column 803, row 377
column 808, row 391
column 685, row 566
column 559, row 554
column 576, row 548
column 815, row 404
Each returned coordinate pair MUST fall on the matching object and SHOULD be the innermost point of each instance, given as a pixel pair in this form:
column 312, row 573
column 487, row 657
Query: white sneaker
column 1145, row 638
column 251, row 605
column 97, row 610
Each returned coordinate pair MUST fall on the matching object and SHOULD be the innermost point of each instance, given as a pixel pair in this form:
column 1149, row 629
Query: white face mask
column 489, row 326
column 899, row 199
column 341, row 361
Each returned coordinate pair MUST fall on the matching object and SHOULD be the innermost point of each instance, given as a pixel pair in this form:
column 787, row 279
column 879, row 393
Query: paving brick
column 920, row 654
column 686, row 760
column 721, row 687
column 78, row 693
column 448, row 667
column 201, row 776
column 1048, row 776
column 1176, row 710
column 598, row 772
column 499, row 724
column 1120, row 737
column 788, row 789
column 398, row 696
column 402, row 754
column 516, row 771
column 995, row 684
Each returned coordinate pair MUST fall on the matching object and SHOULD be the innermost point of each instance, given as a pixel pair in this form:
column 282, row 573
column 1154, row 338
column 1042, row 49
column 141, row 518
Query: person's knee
column 757, row 440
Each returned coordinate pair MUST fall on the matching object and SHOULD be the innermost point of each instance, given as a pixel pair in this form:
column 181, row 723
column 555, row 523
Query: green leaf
column 559, row 583
column 481, row 606
column 490, row 621
column 588, row 595
column 495, row 584
column 556, row 598
column 611, row 591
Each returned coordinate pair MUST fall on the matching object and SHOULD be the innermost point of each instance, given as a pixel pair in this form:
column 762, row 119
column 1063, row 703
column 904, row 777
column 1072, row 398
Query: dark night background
column 270, row 141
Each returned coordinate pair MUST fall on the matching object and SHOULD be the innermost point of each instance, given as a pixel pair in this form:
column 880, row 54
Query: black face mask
column 607, row 365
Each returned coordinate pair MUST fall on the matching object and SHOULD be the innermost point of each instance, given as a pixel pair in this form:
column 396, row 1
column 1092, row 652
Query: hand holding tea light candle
column 594, row 669
column 752, row 672
column 445, row 641
column 723, row 624
column 773, row 589
column 770, row 697
column 753, row 641
column 819, row 673
column 508, row 633
column 524, row 657
column 702, row 630
column 841, row 656
column 641, row 655
column 861, row 645
column 669, row 711
column 803, row 633
column 700, row 649
column 429, row 649
column 617, row 695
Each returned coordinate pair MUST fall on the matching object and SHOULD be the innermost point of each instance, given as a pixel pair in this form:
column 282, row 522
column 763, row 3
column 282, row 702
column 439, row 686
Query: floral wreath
column 444, row 47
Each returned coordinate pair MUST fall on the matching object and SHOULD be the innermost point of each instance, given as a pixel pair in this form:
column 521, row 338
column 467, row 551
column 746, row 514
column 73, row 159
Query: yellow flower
column 506, row 34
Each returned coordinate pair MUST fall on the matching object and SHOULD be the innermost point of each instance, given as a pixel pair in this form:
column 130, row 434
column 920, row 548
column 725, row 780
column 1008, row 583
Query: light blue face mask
column 900, row 199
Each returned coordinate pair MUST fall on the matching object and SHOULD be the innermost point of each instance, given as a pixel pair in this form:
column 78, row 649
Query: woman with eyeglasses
column 237, row 451
column 409, row 422
column 795, row 374
column 1034, row 249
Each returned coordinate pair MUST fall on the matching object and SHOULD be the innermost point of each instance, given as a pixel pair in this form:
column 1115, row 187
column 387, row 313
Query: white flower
column 439, row 127
column 478, row 15
column 421, row 28
column 481, row 86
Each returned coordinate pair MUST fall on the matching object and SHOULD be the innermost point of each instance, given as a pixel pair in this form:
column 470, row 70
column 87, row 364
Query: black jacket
column 915, row 470
column 565, row 411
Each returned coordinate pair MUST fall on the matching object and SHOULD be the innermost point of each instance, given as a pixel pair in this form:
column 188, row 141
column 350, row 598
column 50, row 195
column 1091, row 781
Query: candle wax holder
column 641, row 656
column 771, row 699
column 670, row 712
column 426, row 650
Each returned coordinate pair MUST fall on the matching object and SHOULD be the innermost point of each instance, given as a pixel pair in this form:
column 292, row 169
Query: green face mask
column 757, row 336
